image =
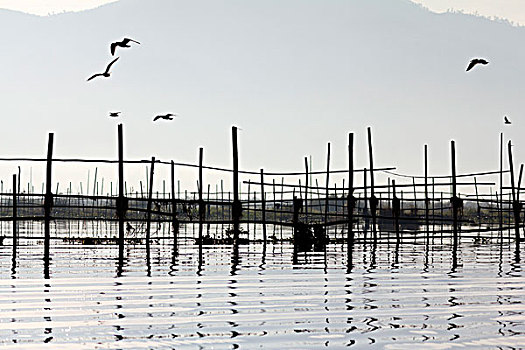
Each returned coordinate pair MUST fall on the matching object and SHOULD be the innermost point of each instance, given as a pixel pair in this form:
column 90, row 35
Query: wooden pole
column 121, row 200
column 373, row 199
column 455, row 199
column 263, row 206
column 48, row 199
column 477, row 202
column 150, row 201
column 350, row 199
column 236, row 210
column 175, row 221
column 415, row 196
column 427, row 223
column 15, row 224
column 519, row 182
column 326, row 204
column 396, row 209
column 501, row 182
column 202, row 209
column 515, row 201
column 365, row 204
column 306, row 189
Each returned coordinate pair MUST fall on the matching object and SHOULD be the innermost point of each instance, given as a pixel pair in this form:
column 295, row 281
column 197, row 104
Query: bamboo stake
column 263, row 206
column 350, row 199
column 373, row 199
column 48, row 199
column 15, row 224
column 148, row 208
column 236, row 212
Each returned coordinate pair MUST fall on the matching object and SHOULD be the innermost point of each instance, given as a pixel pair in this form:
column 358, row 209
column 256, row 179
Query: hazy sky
column 292, row 74
column 513, row 10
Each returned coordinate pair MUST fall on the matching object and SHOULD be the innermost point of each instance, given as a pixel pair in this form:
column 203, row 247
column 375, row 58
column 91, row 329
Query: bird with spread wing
column 106, row 74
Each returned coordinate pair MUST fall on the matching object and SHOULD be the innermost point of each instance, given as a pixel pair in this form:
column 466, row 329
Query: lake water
column 415, row 297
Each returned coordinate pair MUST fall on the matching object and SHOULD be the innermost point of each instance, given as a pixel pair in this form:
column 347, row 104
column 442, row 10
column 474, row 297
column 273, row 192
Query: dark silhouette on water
column 165, row 117
column 476, row 61
column 507, row 121
column 124, row 43
column 114, row 114
column 106, row 73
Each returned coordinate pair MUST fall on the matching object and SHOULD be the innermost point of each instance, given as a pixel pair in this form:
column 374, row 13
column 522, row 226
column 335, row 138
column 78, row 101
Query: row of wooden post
column 122, row 206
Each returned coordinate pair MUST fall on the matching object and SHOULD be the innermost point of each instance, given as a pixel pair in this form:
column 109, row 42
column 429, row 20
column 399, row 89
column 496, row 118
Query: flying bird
column 124, row 43
column 476, row 61
column 507, row 121
column 114, row 114
column 165, row 117
column 106, row 73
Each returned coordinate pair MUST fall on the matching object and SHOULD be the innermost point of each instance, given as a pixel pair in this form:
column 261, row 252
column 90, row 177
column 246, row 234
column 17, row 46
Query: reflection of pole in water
column 454, row 256
column 48, row 330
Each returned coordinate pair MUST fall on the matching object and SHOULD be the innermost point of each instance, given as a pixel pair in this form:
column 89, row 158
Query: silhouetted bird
column 476, row 61
column 114, row 114
column 165, row 117
column 106, row 73
column 124, row 43
column 507, row 121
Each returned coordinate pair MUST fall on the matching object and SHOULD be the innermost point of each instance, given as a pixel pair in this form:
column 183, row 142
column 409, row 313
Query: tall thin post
column 236, row 210
column 15, row 224
column 477, row 202
column 365, row 206
column 373, row 199
column 519, row 182
column 121, row 200
column 350, row 199
column 396, row 209
column 427, row 223
column 263, row 206
column 202, row 209
column 415, row 196
column 48, row 199
column 326, row 204
column 306, row 189
column 175, row 221
column 150, row 202
column 516, row 205
column 500, row 182
column 455, row 200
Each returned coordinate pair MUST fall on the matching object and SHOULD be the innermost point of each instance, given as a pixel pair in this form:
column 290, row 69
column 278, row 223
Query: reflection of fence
column 426, row 206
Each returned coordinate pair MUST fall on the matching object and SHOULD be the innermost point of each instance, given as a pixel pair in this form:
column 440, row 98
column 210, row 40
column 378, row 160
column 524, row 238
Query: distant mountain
column 293, row 74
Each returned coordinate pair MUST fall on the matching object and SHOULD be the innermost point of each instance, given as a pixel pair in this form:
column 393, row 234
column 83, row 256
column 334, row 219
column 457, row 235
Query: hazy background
column 292, row 74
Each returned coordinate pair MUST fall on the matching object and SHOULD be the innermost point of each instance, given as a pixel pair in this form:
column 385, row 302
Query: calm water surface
column 415, row 297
